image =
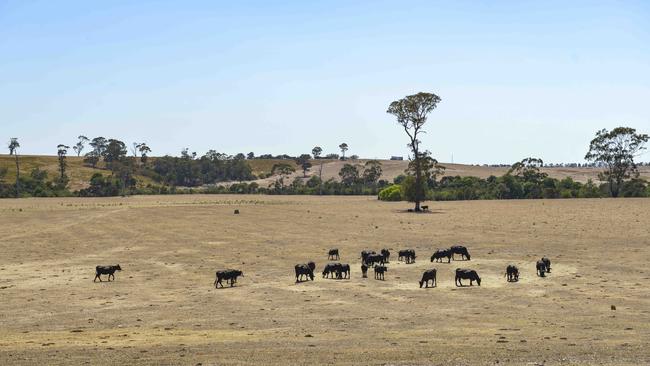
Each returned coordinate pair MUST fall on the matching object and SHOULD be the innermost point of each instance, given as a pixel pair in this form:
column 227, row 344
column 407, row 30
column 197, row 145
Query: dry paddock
column 163, row 309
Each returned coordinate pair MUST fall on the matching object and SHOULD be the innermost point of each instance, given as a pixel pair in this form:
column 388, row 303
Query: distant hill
column 80, row 174
column 393, row 168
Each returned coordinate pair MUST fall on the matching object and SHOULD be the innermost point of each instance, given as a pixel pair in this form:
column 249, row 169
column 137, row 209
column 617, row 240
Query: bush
column 634, row 188
column 391, row 193
column 399, row 179
column 565, row 193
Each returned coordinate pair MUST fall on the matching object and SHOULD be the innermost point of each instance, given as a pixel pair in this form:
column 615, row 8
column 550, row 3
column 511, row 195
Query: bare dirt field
column 163, row 309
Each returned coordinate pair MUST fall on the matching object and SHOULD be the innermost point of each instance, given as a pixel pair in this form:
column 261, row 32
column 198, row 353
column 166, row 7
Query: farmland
column 163, row 308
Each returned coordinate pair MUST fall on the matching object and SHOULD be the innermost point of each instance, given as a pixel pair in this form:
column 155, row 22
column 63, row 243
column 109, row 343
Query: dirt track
column 163, row 309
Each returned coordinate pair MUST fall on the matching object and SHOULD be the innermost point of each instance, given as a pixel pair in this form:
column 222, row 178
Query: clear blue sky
column 516, row 78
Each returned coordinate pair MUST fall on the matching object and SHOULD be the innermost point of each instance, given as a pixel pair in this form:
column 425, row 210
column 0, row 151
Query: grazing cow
column 541, row 268
column 230, row 275
column 429, row 275
column 304, row 270
column 371, row 259
column 410, row 256
column 364, row 270
column 333, row 254
column 343, row 271
column 440, row 254
column 379, row 272
column 331, row 269
column 459, row 249
column 512, row 272
column 386, row 254
column 467, row 274
column 547, row 262
column 401, row 254
column 365, row 254
column 106, row 270
column 311, row 265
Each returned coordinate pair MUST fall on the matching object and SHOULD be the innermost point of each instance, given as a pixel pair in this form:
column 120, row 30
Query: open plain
column 163, row 308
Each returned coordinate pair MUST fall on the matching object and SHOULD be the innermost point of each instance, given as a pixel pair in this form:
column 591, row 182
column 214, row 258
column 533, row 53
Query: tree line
column 613, row 151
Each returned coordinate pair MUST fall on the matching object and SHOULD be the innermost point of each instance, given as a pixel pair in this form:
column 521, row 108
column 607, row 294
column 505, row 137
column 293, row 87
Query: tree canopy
column 616, row 150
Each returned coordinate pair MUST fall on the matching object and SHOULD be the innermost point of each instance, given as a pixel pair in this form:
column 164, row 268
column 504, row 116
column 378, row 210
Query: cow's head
column 118, row 267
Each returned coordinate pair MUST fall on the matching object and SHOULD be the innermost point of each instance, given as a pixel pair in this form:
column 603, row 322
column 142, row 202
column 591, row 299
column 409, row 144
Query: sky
column 515, row 78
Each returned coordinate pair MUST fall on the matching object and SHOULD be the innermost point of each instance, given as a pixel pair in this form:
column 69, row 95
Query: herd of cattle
column 370, row 259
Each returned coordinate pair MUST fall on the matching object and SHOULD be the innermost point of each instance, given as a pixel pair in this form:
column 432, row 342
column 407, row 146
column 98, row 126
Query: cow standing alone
column 106, row 270
column 230, row 275
column 333, row 254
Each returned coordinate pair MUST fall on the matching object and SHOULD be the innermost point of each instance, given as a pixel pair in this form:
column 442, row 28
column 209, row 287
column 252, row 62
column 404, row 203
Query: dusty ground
column 163, row 309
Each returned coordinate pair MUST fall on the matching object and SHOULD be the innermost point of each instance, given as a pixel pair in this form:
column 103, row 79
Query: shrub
column 565, row 193
column 391, row 193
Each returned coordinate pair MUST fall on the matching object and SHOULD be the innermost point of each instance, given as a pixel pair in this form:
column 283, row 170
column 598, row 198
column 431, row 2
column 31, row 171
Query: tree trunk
column 320, row 179
column 17, row 175
column 614, row 189
column 418, row 180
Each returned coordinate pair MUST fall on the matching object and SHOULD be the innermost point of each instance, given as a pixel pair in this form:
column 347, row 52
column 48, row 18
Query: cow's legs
column 97, row 276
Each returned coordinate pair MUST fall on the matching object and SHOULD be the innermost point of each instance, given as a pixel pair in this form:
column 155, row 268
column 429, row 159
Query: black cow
column 106, row 270
column 230, row 275
column 541, row 268
column 304, row 270
column 459, row 249
column 439, row 254
column 371, row 259
column 364, row 270
column 331, row 268
column 365, row 254
column 333, row 254
column 386, row 254
column 429, row 275
column 343, row 271
column 311, row 265
column 547, row 262
column 379, row 272
column 512, row 272
column 401, row 254
column 467, row 274
column 408, row 255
